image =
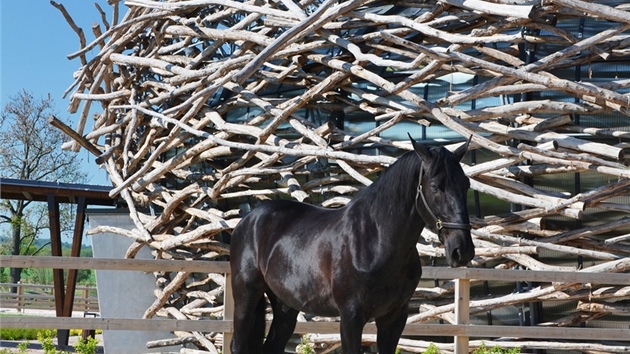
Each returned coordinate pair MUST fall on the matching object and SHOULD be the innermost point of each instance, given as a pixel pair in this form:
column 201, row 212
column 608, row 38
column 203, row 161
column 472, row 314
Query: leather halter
column 437, row 221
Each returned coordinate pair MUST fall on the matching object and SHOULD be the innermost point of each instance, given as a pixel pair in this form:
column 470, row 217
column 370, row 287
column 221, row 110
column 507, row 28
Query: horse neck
column 392, row 200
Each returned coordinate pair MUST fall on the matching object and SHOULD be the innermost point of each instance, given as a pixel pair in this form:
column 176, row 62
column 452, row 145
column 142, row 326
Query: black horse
column 358, row 262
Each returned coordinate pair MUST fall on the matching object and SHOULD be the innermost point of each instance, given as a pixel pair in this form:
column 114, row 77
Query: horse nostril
column 456, row 256
column 460, row 257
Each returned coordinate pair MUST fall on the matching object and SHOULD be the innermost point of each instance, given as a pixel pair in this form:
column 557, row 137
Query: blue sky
column 35, row 40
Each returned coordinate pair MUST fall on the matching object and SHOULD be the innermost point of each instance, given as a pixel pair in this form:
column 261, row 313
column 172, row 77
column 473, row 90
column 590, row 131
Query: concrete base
column 123, row 294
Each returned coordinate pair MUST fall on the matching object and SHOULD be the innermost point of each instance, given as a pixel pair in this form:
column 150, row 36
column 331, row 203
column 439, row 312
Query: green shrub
column 495, row 350
column 305, row 346
column 432, row 349
column 31, row 333
column 18, row 333
column 45, row 337
column 22, row 348
column 86, row 346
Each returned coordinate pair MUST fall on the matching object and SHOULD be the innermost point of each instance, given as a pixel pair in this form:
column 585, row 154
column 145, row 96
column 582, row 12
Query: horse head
column 441, row 200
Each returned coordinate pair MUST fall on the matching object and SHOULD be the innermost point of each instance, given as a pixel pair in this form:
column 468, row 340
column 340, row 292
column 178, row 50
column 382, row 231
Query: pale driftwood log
column 170, row 342
column 483, row 305
column 478, row 306
column 158, row 71
column 573, row 319
column 178, row 280
column 195, row 351
column 560, row 248
column 617, row 309
column 215, row 312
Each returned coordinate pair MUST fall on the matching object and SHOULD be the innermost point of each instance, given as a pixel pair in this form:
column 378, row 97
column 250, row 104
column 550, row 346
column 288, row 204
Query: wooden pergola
column 55, row 193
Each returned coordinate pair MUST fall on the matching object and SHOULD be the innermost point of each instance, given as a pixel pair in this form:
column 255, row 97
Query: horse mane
column 397, row 184
column 397, row 181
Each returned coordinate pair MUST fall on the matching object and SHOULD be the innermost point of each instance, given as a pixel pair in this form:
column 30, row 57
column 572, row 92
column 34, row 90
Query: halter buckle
column 438, row 224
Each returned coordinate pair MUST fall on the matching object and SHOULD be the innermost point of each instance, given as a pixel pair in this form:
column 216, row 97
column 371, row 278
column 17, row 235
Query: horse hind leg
column 282, row 326
column 249, row 320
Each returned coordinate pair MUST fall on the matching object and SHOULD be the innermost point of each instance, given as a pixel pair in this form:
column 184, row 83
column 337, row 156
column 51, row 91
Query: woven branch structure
column 207, row 106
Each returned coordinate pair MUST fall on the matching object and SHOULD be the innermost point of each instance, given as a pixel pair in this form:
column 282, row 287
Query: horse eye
column 434, row 187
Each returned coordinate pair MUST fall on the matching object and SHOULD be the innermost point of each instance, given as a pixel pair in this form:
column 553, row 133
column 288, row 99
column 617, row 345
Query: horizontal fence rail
column 127, row 324
column 148, row 265
column 460, row 331
column 41, row 297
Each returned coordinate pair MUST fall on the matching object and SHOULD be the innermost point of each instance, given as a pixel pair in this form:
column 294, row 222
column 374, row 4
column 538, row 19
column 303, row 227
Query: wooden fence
column 42, row 297
column 461, row 331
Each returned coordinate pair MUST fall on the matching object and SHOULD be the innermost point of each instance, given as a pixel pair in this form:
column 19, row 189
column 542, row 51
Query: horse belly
column 302, row 281
column 319, row 307
column 308, row 300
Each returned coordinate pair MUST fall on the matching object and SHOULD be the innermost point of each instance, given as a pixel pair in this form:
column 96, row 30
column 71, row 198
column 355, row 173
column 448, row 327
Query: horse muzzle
column 460, row 249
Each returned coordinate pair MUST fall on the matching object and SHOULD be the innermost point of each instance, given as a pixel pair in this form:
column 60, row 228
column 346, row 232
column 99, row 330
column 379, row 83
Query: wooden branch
column 52, row 120
column 616, row 309
column 519, row 11
column 287, row 37
column 203, row 112
column 163, row 295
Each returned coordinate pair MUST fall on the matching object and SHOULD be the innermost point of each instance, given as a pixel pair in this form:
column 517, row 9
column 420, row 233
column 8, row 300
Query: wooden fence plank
column 144, row 265
column 116, row 324
column 224, row 267
column 462, row 331
column 41, row 297
column 511, row 275
column 124, row 324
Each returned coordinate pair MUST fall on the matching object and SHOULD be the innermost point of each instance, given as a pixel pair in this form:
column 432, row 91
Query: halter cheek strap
column 434, row 219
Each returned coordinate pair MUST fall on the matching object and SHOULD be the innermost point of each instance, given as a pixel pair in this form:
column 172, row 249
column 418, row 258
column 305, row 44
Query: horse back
column 282, row 223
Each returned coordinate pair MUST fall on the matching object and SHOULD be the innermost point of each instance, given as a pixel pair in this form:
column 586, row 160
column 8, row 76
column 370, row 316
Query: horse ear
column 421, row 149
column 462, row 149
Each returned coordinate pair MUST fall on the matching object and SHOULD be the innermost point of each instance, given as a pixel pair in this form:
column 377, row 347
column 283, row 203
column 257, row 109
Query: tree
column 30, row 149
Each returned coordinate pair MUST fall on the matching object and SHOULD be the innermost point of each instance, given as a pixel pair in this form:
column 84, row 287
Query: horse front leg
column 389, row 328
column 352, row 323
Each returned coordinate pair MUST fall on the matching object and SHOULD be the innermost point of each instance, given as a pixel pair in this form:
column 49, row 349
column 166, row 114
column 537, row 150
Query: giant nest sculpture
column 205, row 107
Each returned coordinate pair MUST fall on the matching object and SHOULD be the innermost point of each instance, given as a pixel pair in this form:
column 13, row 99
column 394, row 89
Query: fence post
column 20, row 294
column 86, row 301
column 228, row 312
column 462, row 312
